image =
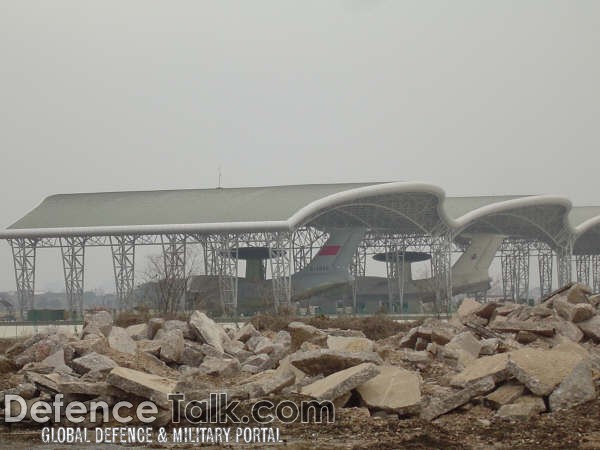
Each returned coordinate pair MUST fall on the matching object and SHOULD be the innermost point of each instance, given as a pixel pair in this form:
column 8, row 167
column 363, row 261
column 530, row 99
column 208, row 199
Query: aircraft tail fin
column 337, row 253
column 478, row 257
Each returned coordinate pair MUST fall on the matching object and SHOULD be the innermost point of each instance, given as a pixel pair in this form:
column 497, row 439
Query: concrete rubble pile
column 517, row 361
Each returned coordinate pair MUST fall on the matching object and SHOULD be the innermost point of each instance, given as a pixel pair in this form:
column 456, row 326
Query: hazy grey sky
column 476, row 97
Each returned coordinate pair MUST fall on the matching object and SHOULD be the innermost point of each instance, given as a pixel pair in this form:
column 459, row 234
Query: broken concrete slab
column 145, row 385
column 154, row 324
column 468, row 307
column 504, row 395
column 577, row 388
column 568, row 329
column 119, row 340
column 495, row 366
column 578, row 293
column 514, row 326
column 339, row 383
column 260, row 361
column 192, row 354
column 328, row 361
column 172, row 346
column 537, row 402
column 207, row 331
column 350, row 344
column 40, row 350
column 541, row 370
column 88, row 388
column 442, row 336
column 93, row 362
column 6, row 365
column 392, row 389
column 439, row 406
column 301, row 332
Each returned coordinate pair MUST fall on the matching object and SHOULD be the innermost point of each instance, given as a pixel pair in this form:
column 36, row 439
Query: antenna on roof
column 219, row 182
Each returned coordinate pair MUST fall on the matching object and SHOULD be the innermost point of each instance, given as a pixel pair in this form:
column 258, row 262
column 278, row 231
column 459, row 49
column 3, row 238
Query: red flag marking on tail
column 329, row 250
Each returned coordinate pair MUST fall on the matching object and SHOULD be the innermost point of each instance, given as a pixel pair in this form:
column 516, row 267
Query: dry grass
column 374, row 327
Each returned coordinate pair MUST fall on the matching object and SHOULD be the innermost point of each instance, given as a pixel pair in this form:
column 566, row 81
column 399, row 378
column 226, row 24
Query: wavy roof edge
column 270, row 208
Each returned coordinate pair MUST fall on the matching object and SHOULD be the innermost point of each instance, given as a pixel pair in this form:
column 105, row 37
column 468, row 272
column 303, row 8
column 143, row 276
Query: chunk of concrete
column 575, row 389
column 119, row 340
column 220, row 367
column 88, row 388
column 6, row 365
column 138, row 331
column 568, row 329
column 591, row 328
column 349, row 344
column 392, row 389
column 495, row 366
column 526, row 337
column 339, row 383
column 468, row 307
column 207, row 331
column 101, row 320
column 573, row 312
column 442, row 336
column 439, row 406
column 40, row 350
column 489, row 346
column 180, row 325
column 578, row 293
column 517, row 411
column 246, row 332
column 541, row 370
column 192, row 354
column 145, row 385
column 409, row 339
column 93, row 362
column 504, row 395
column 302, row 332
column 154, row 324
column 267, row 383
column 537, row 402
column 172, row 346
column 260, row 361
column 467, row 342
column 327, row 361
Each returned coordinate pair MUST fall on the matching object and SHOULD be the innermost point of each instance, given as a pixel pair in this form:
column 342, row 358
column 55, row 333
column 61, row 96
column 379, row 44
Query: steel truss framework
column 24, row 252
column 174, row 255
column 123, row 257
column 514, row 259
column 358, row 268
column 545, row 263
column 564, row 256
column 73, row 256
column 583, row 264
column 280, row 258
column 596, row 273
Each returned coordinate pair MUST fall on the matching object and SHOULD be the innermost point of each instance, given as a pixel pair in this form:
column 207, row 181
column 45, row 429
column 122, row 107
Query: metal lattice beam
column 564, row 264
column 545, row 259
column 395, row 267
column 280, row 257
column 358, row 269
column 596, row 273
column 583, row 265
column 514, row 258
column 225, row 255
column 174, row 255
column 73, row 257
column 24, row 252
column 123, row 256
column 441, row 270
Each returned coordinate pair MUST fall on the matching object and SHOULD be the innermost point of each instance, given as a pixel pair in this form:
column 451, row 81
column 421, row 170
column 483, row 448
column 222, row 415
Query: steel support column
column 225, row 251
column 174, row 254
column 358, row 269
column 73, row 257
column 514, row 258
column 564, row 264
column 545, row 265
column 441, row 270
column 394, row 265
column 596, row 273
column 280, row 257
column 582, row 265
column 24, row 252
column 123, row 256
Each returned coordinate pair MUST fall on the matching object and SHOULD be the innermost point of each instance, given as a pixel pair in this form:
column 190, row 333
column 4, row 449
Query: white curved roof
column 585, row 220
column 403, row 207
